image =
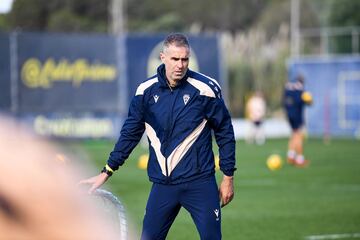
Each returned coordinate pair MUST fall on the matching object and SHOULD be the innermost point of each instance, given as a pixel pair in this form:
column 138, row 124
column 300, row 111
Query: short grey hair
column 177, row 39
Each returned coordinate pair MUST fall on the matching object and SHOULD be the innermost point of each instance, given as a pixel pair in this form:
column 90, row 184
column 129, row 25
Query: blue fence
column 335, row 86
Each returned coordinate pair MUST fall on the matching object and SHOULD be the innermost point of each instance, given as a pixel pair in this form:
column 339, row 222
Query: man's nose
column 180, row 64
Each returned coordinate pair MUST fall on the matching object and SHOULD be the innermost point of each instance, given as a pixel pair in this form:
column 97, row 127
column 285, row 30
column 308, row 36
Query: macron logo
column 156, row 98
column 216, row 211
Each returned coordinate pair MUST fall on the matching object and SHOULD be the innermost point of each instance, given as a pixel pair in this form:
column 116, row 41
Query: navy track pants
column 199, row 197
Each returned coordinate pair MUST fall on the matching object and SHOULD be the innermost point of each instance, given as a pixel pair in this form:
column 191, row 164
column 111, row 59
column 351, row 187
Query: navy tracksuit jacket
column 178, row 124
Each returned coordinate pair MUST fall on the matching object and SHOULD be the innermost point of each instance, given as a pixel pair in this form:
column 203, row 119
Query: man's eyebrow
column 176, row 58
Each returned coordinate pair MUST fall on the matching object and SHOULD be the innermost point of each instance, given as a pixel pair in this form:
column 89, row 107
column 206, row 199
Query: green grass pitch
column 289, row 203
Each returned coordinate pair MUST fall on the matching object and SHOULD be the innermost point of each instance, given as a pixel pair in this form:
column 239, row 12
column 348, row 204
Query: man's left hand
column 226, row 190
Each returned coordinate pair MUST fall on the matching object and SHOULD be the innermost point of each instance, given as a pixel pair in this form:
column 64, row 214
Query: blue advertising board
column 80, row 85
column 74, row 125
column 335, row 86
column 5, row 81
column 67, row 73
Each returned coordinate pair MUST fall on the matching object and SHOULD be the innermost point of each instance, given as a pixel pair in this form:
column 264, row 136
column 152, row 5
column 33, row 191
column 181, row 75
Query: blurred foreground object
column 39, row 198
column 112, row 207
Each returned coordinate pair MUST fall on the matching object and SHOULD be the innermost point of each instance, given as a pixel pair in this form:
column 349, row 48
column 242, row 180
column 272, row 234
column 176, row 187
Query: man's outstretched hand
column 94, row 182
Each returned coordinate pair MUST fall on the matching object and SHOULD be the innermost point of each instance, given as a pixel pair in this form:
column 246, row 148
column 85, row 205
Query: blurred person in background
column 294, row 100
column 256, row 109
column 39, row 199
column 178, row 108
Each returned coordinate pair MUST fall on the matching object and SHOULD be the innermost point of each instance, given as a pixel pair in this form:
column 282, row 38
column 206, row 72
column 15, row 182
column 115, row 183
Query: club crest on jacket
column 186, row 98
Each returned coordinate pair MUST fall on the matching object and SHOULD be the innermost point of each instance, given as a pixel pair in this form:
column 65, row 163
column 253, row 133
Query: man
column 256, row 109
column 295, row 98
column 178, row 108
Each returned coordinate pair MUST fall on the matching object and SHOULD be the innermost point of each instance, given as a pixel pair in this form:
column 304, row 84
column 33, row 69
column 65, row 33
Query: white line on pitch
column 333, row 236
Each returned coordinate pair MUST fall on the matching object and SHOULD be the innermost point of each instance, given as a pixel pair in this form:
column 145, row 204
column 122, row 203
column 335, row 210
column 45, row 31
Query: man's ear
column 162, row 57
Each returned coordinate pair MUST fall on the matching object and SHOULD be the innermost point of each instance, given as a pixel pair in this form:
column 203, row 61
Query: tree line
column 255, row 34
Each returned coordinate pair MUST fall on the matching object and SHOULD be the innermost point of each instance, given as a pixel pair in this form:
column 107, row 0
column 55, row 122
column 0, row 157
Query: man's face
column 176, row 60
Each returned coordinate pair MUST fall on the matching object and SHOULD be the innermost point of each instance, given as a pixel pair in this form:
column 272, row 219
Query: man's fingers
column 95, row 186
column 221, row 198
column 90, row 181
column 96, row 182
column 225, row 200
column 82, row 182
column 92, row 189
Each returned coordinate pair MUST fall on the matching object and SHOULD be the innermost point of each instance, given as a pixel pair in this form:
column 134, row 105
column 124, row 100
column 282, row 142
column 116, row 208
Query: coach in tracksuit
column 178, row 108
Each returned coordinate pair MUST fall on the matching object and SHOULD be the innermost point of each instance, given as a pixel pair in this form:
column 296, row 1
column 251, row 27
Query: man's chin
column 178, row 77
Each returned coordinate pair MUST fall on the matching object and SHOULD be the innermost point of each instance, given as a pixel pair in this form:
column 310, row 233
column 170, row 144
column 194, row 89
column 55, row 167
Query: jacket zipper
column 168, row 128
